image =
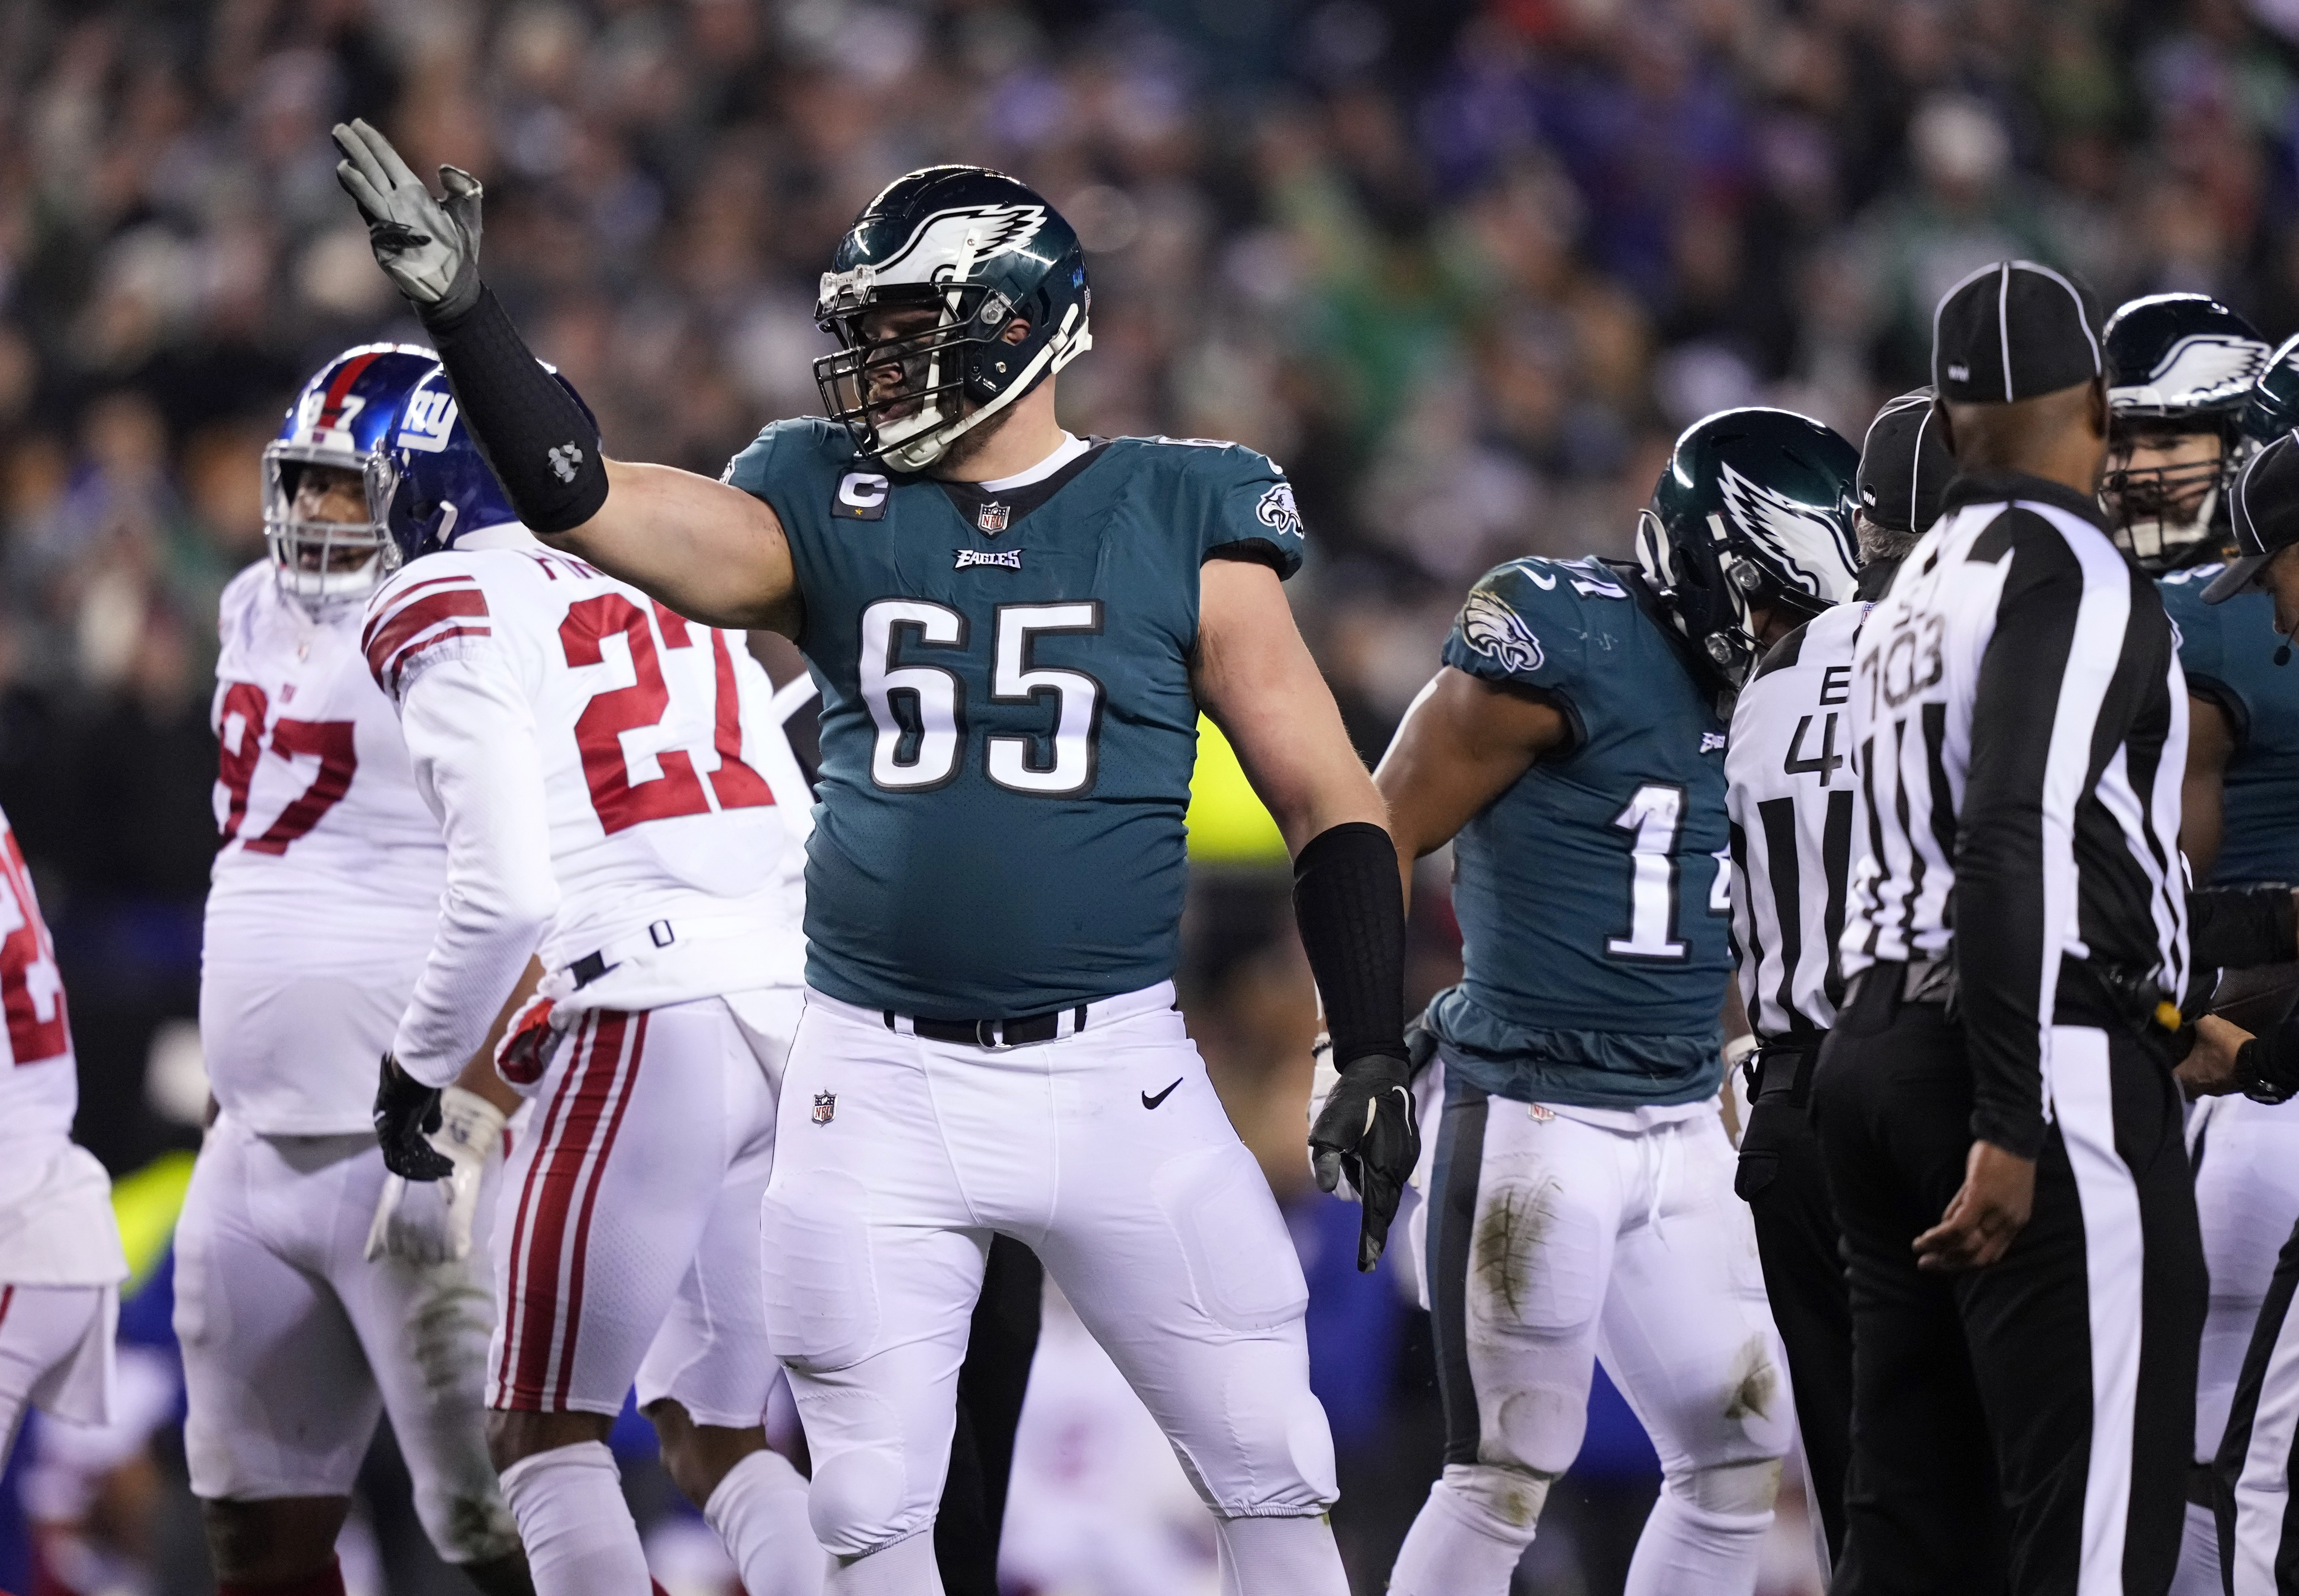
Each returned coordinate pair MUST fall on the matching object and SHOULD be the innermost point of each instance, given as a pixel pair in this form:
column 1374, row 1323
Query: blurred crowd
column 1464, row 267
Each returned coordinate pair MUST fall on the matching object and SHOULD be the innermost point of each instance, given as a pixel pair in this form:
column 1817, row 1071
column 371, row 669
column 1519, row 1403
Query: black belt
column 995, row 1033
column 1780, row 1067
column 2089, row 993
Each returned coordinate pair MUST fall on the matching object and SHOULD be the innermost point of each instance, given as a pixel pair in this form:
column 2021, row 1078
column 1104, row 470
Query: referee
column 1996, row 1106
column 1789, row 795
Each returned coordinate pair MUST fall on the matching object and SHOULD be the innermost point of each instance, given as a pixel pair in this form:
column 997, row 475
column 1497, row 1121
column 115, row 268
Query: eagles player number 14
column 917, row 707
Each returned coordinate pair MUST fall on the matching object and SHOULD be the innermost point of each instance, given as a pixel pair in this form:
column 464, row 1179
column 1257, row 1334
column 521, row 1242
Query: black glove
column 1369, row 1133
column 406, row 1113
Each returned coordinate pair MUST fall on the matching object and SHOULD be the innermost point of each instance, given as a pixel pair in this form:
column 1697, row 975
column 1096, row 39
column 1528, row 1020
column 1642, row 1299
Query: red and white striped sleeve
column 412, row 624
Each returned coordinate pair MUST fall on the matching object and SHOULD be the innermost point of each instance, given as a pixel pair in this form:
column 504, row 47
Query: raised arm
column 708, row 551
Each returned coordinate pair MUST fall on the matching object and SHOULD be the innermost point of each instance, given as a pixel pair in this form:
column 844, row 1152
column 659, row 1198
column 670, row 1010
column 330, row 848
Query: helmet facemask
column 323, row 565
column 2165, row 489
column 906, row 399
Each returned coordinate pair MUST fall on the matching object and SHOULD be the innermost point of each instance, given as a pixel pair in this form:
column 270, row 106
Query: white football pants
column 1553, row 1243
column 2246, row 1157
column 52, row 1337
column 294, row 1343
column 1104, row 1151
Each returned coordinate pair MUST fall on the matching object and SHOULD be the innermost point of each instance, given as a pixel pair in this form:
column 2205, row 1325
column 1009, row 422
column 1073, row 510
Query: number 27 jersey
column 1008, row 727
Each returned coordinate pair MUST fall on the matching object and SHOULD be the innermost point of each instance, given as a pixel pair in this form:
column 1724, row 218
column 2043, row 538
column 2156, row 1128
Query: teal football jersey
column 1591, row 894
column 1008, row 723
column 2227, row 652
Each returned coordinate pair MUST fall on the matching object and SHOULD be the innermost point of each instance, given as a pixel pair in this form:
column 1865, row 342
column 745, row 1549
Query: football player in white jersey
column 61, row 1264
column 1791, row 795
column 296, row 1329
column 602, row 768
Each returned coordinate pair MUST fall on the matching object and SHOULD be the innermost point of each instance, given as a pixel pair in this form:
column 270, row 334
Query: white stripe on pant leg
column 2115, row 1255
column 2261, row 1491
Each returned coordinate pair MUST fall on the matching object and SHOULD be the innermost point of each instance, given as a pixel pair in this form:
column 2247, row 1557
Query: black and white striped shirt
column 2020, row 725
column 1791, row 801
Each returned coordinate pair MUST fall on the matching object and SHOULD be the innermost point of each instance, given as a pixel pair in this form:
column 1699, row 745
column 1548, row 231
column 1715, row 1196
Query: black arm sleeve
column 1351, row 909
column 542, row 445
column 2236, row 928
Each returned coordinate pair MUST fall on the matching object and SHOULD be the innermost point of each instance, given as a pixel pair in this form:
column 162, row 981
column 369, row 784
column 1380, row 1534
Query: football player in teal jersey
column 1581, row 1205
column 1014, row 631
column 2193, row 390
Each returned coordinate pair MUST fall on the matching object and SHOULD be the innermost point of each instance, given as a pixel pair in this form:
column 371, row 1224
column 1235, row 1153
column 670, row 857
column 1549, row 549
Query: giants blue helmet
column 430, row 486
column 337, row 424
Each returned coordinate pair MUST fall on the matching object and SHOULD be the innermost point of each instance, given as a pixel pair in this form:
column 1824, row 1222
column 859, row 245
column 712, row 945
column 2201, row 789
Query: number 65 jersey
column 1591, row 895
column 606, row 773
column 1007, row 722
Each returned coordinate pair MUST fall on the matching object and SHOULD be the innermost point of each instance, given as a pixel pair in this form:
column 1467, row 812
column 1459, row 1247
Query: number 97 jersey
column 1008, row 723
column 1591, row 894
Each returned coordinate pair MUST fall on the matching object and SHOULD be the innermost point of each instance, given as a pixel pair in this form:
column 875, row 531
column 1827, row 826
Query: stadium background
column 1463, row 267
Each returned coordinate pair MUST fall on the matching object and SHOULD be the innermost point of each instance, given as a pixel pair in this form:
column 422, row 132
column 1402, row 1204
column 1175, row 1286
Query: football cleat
column 2181, row 368
column 967, row 253
column 1754, row 510
column 337, row 422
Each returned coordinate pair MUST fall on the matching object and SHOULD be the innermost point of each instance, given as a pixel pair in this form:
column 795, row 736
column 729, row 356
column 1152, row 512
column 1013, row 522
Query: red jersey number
column 618, row 801
column 331, row 742
column 31, row 992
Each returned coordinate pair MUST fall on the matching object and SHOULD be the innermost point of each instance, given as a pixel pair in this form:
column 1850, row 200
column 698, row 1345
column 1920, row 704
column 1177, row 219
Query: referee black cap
column 2264, row 509
column 1904, row 465
column 2013, row 330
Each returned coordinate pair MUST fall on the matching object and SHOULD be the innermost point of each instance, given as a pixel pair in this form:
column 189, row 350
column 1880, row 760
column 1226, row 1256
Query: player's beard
column 968, row 445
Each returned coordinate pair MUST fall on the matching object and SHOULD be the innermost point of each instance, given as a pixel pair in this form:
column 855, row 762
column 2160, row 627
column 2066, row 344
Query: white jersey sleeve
column 1794, row 803
column 326, row 887
column 469, row 719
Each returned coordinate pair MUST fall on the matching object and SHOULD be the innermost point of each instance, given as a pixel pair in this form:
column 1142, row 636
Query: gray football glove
column 429, row 247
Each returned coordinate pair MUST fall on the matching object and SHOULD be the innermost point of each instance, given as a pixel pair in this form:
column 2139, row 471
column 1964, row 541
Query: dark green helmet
column 2271, row 409
column 2180, row 369
column 979, row 252
column 1753, row 508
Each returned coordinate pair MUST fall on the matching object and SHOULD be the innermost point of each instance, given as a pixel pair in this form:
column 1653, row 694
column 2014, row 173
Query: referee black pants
column 1782, row 1180
column 2024, row 1429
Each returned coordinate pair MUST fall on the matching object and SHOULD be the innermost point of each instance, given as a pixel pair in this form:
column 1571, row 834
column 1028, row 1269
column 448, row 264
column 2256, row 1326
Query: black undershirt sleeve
column 544, row 447
column 1351, row 908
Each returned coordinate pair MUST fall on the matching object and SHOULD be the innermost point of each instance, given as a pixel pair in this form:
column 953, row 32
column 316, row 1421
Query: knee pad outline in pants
column 1730, row 1490
column 821, row 1285
column 859, row 1502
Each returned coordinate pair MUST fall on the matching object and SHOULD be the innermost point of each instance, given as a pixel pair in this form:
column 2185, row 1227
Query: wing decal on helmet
column 2200, row 369
column 971, row 234
column 1802, row 547
column 1499, row 633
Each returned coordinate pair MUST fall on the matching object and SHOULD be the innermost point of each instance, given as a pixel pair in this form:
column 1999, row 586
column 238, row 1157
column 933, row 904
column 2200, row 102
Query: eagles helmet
column 429, row 484
column 2180, row 368
column 2272, row 408
column 1753, row 508
column 338, row 419
column 978, row 250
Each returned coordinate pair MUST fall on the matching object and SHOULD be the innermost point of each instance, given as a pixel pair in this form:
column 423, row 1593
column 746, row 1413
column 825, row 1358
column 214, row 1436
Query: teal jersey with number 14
column 1591, row 894
column 1008, row 723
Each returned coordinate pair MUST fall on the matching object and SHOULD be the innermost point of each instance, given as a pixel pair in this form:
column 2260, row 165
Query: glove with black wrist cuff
column 1351, row 908
column 541, row 443
column 406, row 1113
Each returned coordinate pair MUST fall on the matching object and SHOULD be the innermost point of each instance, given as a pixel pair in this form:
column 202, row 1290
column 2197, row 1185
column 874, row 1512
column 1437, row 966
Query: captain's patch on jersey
column 1499, row 633
column 1008, row 559
column 1276, row 510
column 861, row 496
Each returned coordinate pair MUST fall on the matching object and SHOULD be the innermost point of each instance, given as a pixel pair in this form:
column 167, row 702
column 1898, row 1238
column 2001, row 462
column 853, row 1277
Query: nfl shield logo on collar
column 992, row 517
column 825, row 1107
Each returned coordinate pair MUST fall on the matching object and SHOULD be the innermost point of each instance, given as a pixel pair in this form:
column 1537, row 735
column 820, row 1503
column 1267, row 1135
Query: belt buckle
column 989, row 1034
